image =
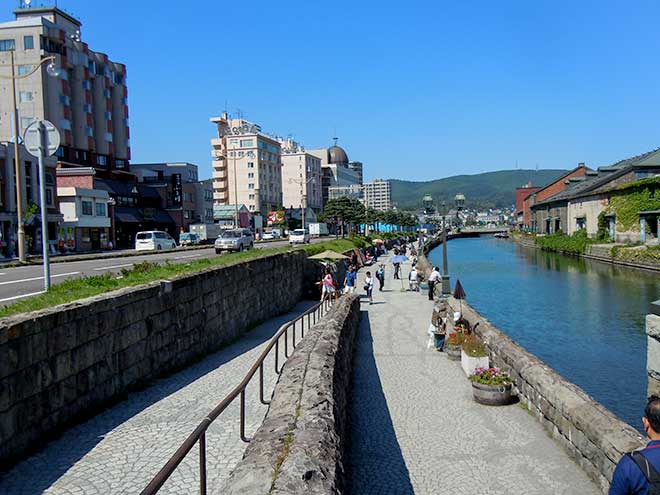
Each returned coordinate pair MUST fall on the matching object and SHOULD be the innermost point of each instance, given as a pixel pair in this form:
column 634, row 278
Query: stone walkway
column 121, row 449
column 416, row 429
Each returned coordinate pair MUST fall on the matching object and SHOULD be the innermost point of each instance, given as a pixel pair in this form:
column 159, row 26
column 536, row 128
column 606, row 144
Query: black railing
column 199, row 434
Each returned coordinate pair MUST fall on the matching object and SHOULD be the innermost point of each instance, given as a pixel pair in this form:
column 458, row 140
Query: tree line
column 347, row 214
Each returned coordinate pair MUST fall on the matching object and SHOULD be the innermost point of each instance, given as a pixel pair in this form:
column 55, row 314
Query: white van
column 153, row 239
column 299, row 236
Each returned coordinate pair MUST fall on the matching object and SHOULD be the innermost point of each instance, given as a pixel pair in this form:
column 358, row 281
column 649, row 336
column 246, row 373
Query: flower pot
column 453, row 351
column 469, row 363
column 491, row 395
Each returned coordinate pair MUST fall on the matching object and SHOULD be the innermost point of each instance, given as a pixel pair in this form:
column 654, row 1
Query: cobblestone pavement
column 121, row 449
column 416, row 429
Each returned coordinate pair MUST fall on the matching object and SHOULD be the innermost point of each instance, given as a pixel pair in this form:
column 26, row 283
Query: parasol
column 328, row 255
column 459, row 294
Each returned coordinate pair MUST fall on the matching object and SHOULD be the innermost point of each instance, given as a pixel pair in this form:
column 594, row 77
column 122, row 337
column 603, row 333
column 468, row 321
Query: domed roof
column 337, row 155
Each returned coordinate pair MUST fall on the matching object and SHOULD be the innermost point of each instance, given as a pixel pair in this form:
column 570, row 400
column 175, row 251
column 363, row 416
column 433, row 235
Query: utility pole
column 18, row 171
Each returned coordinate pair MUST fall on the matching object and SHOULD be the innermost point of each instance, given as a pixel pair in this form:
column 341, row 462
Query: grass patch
column 144, row 273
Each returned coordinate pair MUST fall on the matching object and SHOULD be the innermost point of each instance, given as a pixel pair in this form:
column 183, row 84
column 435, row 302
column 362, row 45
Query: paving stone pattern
column 416, row 429
column 121, row 449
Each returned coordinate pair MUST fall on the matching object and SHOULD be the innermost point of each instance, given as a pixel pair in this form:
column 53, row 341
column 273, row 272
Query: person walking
column 380, row 275
column 433, row 279
column 349, row 282
column 369, row 287
column 397, row 267
column 637, row 471
column 327, row 285
column 413, row 280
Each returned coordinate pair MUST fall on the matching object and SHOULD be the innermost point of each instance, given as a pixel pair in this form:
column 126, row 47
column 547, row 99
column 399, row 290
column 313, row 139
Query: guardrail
column 199, row 434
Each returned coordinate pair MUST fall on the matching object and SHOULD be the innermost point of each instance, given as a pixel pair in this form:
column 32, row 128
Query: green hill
column 486, row 190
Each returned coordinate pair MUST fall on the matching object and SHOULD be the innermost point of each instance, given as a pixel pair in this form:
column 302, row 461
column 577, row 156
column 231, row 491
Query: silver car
column 234, row 240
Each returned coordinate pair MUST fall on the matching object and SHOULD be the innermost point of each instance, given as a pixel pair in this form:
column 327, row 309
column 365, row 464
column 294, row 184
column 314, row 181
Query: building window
column 7, row 45
column 49, row 197
column 65, row 124
column 87, row 208
column 24, row 69
column 28, row 42
column 89, row 132
column 233, row 142
column 250, row 165
column 100, row 209
column 106, row 93
column 250, row 186
column 26, row 121
column 87, row 108
column 28, row 181
column 251, row 196
column 65, row 100
column 108, row 137
column 252, row 207
column 250, row 175
column 108, row 115
column 247, row 143
column 87, row 85
column 101, row 160
column 25, row 96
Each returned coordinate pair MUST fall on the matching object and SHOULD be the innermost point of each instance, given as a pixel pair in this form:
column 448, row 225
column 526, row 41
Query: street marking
column 114, row 266
column 21, row 296
column 189, row 256
column 38, row 278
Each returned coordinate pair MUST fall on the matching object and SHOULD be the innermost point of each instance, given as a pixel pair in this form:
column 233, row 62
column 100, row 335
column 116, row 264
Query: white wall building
column 378, row 194
column 86, row 218
column 301, row 177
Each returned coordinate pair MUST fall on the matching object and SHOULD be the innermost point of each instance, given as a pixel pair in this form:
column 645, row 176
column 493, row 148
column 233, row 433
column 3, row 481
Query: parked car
column 153, row 239
column 189, row 239
column 234, row 240
column 272, row 234
column 299, row 236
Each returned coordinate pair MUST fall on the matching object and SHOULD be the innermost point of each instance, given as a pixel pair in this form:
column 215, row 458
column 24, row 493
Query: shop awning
column 128, row 215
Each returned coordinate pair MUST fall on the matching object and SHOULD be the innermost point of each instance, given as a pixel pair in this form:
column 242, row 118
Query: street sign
column 33, row 141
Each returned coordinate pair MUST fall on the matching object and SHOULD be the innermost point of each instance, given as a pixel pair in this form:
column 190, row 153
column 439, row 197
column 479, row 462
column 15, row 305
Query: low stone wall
column 299, row 446
column 653, row 348
column 60, row 365
column 594, row 436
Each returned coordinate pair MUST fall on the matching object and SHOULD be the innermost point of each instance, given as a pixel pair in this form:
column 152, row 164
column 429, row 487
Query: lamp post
column 52, row 71
column 303, row 196
column 446, row 286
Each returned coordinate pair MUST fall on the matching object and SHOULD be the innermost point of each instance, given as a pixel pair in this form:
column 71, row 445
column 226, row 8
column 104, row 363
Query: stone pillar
column 653, row 348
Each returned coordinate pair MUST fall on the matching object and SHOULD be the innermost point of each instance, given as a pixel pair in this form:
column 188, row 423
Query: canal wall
column 589, row 432
column 653, row 348
column 592, row 435
column 61, row 365
column 299, row 446
column 597, row 252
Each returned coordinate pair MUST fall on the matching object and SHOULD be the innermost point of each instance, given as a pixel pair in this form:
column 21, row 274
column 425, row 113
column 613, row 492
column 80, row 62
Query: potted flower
column 453, row 345
column 473, row 355
column 491, row 386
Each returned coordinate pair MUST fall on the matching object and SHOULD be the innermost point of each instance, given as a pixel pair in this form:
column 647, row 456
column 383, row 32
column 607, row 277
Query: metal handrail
column 199, row 433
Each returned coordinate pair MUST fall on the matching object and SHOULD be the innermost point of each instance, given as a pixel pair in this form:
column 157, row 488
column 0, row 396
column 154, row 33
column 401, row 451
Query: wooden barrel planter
column 453, row 351
column 491, row 395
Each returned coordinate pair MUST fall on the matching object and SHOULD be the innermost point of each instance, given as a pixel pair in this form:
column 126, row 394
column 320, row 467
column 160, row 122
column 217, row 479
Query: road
column 24, row 281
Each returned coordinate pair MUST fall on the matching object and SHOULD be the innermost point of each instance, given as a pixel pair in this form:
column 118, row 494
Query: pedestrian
column 349, row 282
column 327, row 285
column 637, row 471
column 397, row 267
column 438, row 328
column 413, row 280
column 380, row 275
column 369, row 287
column 434, row 278
column 354, row 260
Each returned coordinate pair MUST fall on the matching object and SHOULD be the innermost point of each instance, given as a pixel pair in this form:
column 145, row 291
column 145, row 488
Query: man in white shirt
column 434, row 278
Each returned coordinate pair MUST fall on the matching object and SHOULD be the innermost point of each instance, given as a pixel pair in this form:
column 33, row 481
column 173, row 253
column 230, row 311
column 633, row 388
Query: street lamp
column 303, row 197
column 52, row 71
column 446, row 286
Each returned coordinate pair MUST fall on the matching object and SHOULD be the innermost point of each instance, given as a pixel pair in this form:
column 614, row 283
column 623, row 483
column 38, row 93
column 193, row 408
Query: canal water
column 583, row 318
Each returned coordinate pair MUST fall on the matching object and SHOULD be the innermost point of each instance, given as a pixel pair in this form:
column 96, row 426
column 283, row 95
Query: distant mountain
column 486, row 190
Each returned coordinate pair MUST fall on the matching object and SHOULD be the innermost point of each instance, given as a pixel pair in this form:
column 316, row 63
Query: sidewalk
column 120, row 450
column 416, row 429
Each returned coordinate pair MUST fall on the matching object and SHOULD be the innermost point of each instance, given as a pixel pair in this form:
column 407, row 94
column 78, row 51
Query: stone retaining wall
column 299, row 446
column 653, row 348
column 592, row 435
column 60, row 365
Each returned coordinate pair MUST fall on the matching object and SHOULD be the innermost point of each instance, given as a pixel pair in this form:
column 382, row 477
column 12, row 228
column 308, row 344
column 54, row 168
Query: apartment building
column 87, row 101
column 301, row 177
column 378, row 194
column 247, row 168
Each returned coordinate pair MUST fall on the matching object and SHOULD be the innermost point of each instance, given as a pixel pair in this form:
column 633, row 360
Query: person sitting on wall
column 637, row 471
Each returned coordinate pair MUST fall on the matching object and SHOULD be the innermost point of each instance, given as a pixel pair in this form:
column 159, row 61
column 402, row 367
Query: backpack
column 651, row 474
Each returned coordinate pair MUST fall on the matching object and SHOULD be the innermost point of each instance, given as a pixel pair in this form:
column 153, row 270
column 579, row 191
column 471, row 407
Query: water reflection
column 582, row 317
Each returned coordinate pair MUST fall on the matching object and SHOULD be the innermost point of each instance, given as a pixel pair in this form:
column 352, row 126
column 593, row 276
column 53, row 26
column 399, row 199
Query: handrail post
column 277, row 355
column 286, row 342
column 293, row 339
column 243, row 437
column 202, row 464
column 261, row 385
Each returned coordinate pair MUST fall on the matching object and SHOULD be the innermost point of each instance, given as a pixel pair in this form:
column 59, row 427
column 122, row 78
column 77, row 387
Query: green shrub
column 473, row 347
column 574, row 244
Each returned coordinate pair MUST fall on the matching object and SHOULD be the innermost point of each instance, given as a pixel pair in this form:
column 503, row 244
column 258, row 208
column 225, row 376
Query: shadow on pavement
column 54, row 459
column 374, row 462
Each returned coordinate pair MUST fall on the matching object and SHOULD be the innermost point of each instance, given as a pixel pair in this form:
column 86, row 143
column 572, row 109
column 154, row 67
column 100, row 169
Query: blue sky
column 416, row 90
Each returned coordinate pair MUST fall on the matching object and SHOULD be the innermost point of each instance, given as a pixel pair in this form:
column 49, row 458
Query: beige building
column 301, row 177
column 246, row 166
column 378, row 194
column 87, row 102
column 336, row 170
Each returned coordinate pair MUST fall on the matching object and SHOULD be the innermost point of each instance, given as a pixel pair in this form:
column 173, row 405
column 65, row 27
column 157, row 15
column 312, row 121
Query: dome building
column 339, row 178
